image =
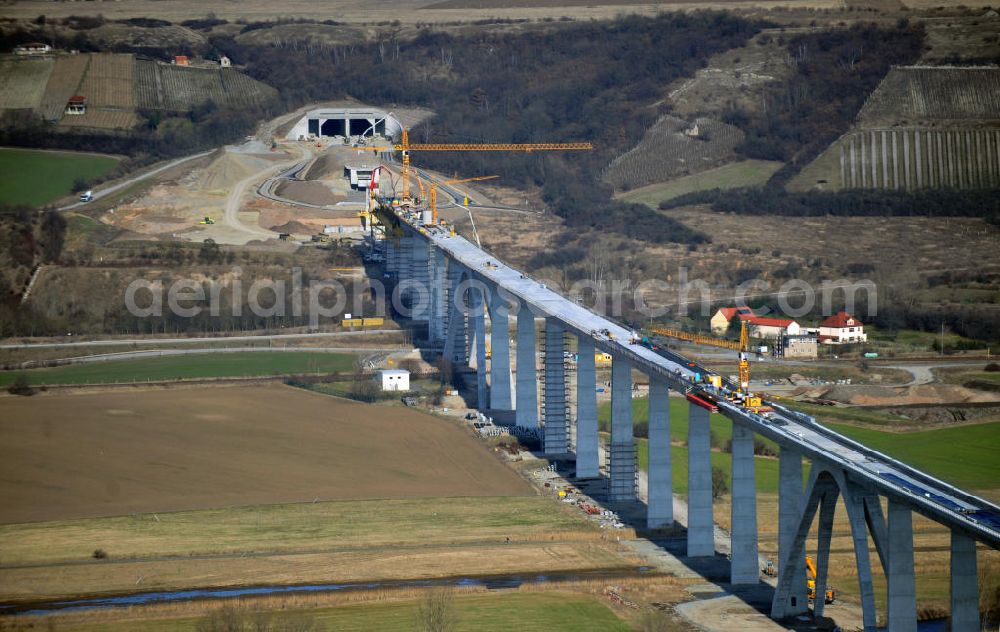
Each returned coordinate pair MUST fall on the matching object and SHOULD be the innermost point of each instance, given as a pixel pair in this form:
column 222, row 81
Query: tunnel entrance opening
column 333, row 127
column 361, row 127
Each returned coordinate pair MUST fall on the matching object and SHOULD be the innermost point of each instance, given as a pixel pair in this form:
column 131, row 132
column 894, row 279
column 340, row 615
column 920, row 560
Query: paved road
column 98, row 194
column 231, row 216
column 151, row 341
column 378, row 352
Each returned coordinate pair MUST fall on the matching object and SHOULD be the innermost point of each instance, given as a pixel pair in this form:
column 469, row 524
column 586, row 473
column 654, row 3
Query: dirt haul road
column 115, row 453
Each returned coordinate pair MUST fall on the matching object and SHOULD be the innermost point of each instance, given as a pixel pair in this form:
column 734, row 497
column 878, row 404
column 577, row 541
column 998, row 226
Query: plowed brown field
column 113, row 453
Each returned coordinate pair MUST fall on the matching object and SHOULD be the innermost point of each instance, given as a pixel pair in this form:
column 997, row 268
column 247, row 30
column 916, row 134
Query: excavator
column 831, row 594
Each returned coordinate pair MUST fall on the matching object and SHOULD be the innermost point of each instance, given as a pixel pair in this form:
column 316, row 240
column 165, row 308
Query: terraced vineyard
column 921, row 93
column 108, row 82
column 666, row 152
column 63, row 82
column 22, row 82
column 116, row 85
column 159, row 86
column 907, row 158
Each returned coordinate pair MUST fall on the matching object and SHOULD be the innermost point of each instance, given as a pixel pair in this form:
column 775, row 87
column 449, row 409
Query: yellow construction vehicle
column 743, row 394
column 405, row 148
column 831, row 594
column 206, row 221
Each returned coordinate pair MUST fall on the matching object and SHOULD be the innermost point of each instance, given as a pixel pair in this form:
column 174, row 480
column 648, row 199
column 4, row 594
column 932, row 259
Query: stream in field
column 492, row 582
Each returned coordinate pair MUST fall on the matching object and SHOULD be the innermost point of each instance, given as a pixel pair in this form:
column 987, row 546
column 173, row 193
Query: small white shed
column 394, row 379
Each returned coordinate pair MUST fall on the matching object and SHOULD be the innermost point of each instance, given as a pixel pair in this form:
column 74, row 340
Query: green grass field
column 248, row 363
column 739, row 174
column 766, row 470
column 964, row 456
column 718, row 425
column 527, row 612
column 38, row 177
column 298, row 527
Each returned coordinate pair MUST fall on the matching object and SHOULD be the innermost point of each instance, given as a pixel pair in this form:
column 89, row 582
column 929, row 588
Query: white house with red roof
column 842, row 329
column 773, row 328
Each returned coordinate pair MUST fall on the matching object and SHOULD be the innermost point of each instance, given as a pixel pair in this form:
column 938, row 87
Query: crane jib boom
column 405, row 147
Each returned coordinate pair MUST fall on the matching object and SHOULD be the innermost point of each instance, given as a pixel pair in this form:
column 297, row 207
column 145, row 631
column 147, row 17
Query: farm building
column 840, row 329
column 760, row 326
column 76, row 105
column 225, row 62
column 181, row 60
column 32, row 49
column 772, row 328
column 720, row 321
column 801, row 346
column 393, row 379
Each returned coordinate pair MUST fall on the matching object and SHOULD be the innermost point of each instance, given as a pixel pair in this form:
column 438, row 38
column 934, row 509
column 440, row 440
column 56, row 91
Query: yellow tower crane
column 742, row 347
column 406, row 147
column 434, row 188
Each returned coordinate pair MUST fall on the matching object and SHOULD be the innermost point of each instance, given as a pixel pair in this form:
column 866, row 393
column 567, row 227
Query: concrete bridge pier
column 456, row 340
column 438, row 295
column 902, row 591
column 554, row 395
column 500, row 393
column 964, row 584
column 659, row 490
column 790, row 497
column 743, row 544
column 419, row 280
column 587, row 459
column 621, row 451
column 477, row 325
column 391, row 255
column 825, row 484
column 700, row 533
column 526, row 412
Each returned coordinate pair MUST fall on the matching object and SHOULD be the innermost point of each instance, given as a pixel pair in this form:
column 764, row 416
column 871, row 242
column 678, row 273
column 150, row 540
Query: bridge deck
column 929, row 496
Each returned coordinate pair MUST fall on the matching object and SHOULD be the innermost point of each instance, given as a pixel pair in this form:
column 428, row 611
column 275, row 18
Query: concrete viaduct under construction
column 455, row 287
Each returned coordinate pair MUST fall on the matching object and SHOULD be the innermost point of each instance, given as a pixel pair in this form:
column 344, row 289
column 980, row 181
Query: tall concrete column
column 659, row 490
column 556, row 435
column 827, row 507
column 500, row 395
column 854, row 502
column 420, row 281
column 744, row 565
column 477, row 322
column 391, row 253
column 456, row 337
column 622, row 447
column 700, row 534
column 790, row 499
column 439, row 301
column 587, row 460
column 527, row 377
column 902, row 591
column 964, row 584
